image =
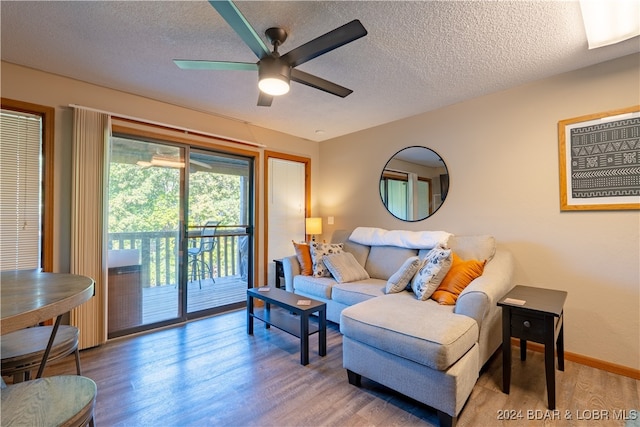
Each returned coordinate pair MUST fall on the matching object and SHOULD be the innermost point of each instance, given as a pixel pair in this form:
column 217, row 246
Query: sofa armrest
column 483, row 294
column 291, row 268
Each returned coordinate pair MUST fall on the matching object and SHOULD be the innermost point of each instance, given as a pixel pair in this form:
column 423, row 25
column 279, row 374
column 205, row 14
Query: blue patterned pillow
column 318, row 251
column 435, row 266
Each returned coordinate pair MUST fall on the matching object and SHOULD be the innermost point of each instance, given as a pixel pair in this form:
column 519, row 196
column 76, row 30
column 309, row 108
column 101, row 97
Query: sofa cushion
column 434, row 336
column 401, row 278
column 344, row 267
column 360, row 252
column 318, row 251
column 431, row 272
column 314, row 286
column 383, row 261
column 474, row 247
column 461, row 274
column 355, row 292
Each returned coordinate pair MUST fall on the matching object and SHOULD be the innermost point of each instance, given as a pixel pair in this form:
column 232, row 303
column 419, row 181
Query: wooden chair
column 22, row 350
column 66, row 400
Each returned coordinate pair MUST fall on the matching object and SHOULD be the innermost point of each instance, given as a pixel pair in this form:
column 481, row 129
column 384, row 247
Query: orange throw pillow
column 459, row 276
column 304, row 258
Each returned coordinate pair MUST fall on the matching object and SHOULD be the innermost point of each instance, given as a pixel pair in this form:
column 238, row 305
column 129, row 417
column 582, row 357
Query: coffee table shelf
column 282, row 318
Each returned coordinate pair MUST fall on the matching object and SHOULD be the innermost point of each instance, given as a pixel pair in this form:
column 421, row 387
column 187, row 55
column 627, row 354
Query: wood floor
column 211, row 373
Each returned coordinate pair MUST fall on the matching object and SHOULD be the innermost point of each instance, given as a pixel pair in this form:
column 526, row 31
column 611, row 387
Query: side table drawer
column 528, row 327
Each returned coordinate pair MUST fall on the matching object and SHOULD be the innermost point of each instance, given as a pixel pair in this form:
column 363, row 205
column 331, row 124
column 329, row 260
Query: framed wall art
column 600, row 161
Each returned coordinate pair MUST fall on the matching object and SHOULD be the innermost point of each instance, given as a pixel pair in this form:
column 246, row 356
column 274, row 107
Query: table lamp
column 313, row 226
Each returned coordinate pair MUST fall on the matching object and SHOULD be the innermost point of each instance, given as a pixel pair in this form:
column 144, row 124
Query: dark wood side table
column 279, row 273
column 533, row 314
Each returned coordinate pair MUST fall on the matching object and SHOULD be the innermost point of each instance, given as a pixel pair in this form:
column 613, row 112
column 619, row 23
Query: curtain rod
column 151, row 122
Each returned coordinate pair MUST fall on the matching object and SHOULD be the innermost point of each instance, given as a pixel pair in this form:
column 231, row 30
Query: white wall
column 502, row 154
column 28, row 85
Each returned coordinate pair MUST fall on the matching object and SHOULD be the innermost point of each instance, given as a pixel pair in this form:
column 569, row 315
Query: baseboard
column 586, row 360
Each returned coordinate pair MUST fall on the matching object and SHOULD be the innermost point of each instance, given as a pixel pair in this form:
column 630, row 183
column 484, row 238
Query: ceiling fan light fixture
column 273, row 86
column 167, row 162
column 274, row 76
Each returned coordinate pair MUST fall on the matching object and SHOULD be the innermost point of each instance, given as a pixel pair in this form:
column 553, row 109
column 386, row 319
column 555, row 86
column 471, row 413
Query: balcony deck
column 161, row 302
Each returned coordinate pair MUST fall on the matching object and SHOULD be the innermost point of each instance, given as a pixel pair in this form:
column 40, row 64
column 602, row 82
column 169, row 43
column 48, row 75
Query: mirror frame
column 413, row 167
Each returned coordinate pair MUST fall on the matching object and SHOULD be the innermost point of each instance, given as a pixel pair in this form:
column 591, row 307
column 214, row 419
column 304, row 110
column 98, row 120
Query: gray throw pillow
column 400, row 279
column 344, row 267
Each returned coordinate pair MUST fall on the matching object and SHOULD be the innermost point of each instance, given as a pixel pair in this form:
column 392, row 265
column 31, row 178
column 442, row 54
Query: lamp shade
column 313, row 226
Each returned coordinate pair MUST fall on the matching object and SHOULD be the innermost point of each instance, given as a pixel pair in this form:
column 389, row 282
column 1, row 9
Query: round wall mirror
column 414, row 183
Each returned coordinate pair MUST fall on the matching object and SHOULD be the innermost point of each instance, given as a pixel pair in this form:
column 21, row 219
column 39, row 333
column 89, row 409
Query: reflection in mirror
column 414, row 183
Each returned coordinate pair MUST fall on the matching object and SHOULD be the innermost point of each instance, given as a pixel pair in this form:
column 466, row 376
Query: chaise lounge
column 429, row 351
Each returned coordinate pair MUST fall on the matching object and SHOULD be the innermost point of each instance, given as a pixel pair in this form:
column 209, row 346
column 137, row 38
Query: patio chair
column 206, row 244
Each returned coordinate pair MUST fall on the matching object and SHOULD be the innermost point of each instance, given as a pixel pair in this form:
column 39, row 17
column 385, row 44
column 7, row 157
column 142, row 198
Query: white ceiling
column 418, row 56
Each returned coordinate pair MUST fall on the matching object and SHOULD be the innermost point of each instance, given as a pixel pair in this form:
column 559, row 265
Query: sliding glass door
column 219, row 230
column 145, row 212
column 179, row 233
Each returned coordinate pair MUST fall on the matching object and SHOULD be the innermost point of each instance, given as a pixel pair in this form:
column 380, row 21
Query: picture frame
column 599, row 157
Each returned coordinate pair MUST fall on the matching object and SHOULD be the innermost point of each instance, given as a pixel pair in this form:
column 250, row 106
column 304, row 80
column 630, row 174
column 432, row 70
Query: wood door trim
column 307, row 196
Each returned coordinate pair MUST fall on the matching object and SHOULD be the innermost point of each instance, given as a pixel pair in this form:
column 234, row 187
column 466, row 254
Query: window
column 25, row 145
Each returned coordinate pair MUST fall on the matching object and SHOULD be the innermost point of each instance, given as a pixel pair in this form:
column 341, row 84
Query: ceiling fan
column 275, row 71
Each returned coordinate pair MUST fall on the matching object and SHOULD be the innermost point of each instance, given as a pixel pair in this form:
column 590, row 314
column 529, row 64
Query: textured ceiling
column 418, row 56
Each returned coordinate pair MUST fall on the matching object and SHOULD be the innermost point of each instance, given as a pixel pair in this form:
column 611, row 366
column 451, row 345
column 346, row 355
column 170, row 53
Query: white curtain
column 91, row 132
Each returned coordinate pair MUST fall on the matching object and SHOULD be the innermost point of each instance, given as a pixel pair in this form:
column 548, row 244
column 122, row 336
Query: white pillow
column 400, row 279
column 435, row 266
column 319, row 250
column 344, row 267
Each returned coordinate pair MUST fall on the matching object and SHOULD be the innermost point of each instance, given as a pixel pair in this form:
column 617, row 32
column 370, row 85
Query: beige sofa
column 430, row 352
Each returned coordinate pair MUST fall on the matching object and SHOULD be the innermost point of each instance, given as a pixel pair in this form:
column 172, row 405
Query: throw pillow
column 344, row 267
column 304, row 258
column 460, row 275
column 400, row 279
column 319, row 250
column 434, row 267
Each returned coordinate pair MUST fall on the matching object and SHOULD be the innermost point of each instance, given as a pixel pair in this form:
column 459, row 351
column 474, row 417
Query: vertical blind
column 20, row 190
column 91, row 131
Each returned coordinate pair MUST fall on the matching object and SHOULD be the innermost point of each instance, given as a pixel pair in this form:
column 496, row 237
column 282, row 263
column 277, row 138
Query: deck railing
column 159, row 255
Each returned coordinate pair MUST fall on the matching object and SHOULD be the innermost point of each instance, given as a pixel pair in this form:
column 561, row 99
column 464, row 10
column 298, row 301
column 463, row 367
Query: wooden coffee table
column 293, row 319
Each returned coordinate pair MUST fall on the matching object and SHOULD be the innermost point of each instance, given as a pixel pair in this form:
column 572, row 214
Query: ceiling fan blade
column 238, row 22
column 319, row 83
column 325, row 43
column 264, row 100
column 186, row 64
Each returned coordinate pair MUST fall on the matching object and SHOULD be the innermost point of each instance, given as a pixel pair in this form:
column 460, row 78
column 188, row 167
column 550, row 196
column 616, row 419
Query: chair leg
column 199, row 270
column 210, row 271
column 78, row 369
